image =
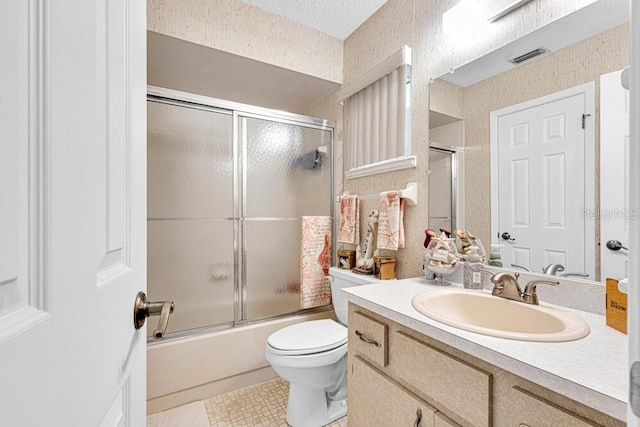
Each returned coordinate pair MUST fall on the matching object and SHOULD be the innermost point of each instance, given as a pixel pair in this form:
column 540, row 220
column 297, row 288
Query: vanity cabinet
column 398, row 376
column 378, row 401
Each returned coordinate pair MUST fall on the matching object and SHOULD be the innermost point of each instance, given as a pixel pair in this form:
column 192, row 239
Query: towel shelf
column 410, row 194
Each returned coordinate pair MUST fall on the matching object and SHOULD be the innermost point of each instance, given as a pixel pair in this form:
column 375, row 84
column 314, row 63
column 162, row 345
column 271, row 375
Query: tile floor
column 263, row 404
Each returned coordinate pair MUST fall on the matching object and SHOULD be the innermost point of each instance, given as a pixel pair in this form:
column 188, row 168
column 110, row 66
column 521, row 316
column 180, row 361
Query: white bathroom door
column 633, row 408
column 543, row 188
column 72, row 212
column 614, row 176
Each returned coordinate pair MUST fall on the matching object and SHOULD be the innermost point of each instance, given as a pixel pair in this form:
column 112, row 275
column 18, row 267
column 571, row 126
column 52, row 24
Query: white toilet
column 312, row 356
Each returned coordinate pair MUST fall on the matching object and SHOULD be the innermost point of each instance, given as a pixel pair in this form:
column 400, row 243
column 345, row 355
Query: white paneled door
column 614, row 210
column 542, row 187
column 72, row 212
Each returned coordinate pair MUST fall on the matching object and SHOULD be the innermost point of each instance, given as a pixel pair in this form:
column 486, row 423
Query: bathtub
column 201, row 366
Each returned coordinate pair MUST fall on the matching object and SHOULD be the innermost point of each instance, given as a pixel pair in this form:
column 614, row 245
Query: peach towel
column 391, row 221
column 315, row 260
column 349, row 220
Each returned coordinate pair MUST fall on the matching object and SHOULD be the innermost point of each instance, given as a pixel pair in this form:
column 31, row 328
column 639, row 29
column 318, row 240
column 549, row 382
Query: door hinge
column 584, row 118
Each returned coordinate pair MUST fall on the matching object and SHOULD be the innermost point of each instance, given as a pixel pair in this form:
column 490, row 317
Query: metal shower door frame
column 240, row 113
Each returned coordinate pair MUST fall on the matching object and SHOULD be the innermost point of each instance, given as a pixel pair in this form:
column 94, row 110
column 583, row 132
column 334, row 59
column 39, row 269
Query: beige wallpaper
column 446, row 98
column 329, row 108
column 235, row 27
column 418, row 24
column 572, row 66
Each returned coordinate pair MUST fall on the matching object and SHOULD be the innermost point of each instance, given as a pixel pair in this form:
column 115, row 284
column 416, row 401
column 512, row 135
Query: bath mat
column 192, row 415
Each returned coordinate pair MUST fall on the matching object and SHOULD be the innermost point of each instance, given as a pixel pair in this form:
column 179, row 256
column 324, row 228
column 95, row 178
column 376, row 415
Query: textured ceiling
column 338, row 18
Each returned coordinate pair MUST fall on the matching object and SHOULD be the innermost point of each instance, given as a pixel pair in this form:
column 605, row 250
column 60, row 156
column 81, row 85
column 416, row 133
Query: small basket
column 346, row 259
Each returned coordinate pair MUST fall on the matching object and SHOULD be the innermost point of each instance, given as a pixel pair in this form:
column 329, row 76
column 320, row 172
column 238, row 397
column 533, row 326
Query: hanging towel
column 391, row 221
column 349, row 220
column 315, row 260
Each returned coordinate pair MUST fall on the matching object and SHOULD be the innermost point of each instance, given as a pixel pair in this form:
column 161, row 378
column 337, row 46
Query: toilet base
column 309, row 407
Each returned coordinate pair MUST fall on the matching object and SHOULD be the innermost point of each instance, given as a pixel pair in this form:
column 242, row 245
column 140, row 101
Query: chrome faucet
column 506, row 286
column 530, row 296
column 523, row 267
column 553, row 268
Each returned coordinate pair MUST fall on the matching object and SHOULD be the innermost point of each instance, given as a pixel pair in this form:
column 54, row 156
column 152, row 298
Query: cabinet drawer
column 368, row 337
column 376, row 401
column 529, row 410
column 454, row 385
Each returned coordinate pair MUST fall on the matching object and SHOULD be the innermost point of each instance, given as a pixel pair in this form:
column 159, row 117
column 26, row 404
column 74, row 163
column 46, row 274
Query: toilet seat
column 315, row 336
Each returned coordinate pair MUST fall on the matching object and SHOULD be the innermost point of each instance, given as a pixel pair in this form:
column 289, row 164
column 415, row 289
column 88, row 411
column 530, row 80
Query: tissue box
column 616, row 306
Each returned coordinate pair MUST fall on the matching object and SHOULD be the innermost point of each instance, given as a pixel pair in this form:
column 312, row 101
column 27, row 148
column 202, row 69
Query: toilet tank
column 343, row 279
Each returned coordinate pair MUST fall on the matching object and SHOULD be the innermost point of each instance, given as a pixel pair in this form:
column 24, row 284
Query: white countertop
column 592, row 370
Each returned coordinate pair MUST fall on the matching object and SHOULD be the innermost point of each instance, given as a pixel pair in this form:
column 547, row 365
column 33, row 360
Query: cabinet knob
column 523, row 425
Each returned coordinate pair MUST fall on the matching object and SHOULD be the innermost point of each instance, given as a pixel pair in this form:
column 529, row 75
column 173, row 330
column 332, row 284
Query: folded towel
column 391, row 221
column 349, row 220
column 315, row 260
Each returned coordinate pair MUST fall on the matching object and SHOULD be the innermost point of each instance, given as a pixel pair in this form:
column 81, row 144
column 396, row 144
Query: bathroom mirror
column 580, row 49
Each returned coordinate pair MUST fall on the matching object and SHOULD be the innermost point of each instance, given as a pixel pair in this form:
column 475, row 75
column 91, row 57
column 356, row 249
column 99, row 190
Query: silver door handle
column 418, row 420
column 143, row 309
column 506, row 236
column 615, row 245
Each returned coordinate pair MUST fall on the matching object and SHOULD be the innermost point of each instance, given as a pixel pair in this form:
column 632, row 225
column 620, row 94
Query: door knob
column 143, row 309
column 506, row 236
column 615, row 245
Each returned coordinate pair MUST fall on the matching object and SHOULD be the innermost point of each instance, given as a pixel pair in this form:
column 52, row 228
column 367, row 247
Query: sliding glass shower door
column 226, row 193
column 287, row 175
column 190, row 210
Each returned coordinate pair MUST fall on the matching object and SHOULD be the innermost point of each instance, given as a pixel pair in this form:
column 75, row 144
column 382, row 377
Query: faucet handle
column 530, row 295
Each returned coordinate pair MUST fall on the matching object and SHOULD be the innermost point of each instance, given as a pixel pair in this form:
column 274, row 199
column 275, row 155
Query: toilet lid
column 310, row 337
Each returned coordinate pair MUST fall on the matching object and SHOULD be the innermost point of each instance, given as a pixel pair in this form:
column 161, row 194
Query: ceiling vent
column 529, row 55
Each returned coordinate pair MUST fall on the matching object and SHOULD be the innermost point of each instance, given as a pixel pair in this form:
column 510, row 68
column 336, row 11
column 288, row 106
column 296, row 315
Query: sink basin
column 483, row 313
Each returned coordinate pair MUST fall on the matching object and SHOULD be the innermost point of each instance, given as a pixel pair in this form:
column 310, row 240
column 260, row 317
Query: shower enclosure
column 227, row 187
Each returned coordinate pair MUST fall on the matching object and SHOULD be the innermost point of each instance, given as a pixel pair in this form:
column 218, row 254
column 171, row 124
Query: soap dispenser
column 472, row 276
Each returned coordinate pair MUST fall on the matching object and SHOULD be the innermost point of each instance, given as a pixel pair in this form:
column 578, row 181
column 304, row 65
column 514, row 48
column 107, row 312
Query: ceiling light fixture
column 496, row 9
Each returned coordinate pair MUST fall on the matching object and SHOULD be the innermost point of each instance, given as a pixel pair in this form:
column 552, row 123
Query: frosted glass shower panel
column 191, row 262
column 288, row 169
column 190, row 162
column 272, row 267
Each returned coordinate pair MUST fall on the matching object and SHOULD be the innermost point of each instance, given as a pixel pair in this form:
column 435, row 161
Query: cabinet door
column 375, row 401
column 529, row 410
